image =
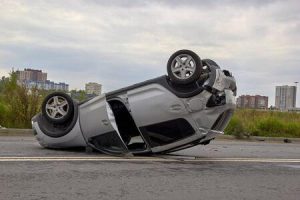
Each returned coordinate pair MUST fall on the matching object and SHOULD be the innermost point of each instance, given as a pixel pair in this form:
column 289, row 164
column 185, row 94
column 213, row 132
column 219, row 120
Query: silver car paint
column 149, row 104
column 94, row 118
column 153, row 103
column 73, row 139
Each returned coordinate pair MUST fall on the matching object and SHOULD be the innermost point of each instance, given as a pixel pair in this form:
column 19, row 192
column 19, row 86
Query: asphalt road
column 220, row 170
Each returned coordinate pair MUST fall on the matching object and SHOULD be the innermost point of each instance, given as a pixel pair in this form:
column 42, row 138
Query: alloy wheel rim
column 57, row 107
column 183, row 66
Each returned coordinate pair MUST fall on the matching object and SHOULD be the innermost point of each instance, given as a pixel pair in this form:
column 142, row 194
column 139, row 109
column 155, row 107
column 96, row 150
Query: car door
column 99, row 128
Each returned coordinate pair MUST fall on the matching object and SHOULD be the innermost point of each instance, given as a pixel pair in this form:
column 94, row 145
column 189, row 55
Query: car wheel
column 209, row 62
column 58, row 107
column 184, row 67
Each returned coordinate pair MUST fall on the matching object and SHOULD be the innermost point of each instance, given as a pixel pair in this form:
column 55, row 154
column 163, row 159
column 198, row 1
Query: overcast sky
column 118, row 43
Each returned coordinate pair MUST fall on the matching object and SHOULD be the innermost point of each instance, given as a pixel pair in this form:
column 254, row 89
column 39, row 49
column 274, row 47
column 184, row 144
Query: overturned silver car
column 190, row 106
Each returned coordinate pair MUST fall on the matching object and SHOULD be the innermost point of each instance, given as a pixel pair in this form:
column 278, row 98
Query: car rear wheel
column 58, row 107
column 209, row 62
column 184, row 67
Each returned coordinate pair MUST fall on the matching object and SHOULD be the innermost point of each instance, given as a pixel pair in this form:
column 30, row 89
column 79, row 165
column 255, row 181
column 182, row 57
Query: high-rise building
column 285, row 97
column 31, row 75
column 93, row 88
column 46, row 85
column 33, row 78
column 254, row 102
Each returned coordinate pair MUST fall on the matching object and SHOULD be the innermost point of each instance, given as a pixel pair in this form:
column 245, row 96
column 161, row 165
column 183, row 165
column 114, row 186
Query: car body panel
column 94, row 119
column 153, row 104
column 73, row 139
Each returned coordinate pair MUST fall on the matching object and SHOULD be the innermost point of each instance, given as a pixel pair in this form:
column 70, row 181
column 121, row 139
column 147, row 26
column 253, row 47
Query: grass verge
column 247, row 123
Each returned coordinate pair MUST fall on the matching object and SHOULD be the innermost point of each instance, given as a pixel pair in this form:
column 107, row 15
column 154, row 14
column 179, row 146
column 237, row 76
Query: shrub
column 264, row 123
column 235, row 127
column 18, row 104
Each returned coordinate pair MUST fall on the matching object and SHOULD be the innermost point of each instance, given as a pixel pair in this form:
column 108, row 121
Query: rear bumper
column 74, row 138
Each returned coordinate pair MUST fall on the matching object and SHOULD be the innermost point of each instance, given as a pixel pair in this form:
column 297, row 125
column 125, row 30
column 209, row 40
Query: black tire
column 68, row 108
column 196, row 68
column 209, row 62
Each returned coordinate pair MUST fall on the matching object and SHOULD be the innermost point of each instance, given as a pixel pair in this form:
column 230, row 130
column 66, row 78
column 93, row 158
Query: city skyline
column 36, row 78
column 79, row 41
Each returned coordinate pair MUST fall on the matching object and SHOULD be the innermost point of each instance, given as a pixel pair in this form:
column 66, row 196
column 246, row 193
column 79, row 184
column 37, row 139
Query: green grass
column 246, row 122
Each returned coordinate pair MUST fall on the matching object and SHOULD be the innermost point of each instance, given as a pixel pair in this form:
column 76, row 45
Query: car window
column 167, row 132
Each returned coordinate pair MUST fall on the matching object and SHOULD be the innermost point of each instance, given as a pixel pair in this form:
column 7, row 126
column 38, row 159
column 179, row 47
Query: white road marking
column 149, row 159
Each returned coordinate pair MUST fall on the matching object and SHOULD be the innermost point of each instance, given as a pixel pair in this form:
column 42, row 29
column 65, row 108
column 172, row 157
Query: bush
column 3, row 111
column 236, row 128
column 264, row 123
column 18, row 104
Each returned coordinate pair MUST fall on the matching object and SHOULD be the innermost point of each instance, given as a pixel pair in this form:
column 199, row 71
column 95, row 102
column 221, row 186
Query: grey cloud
column 206, row 3
column 122, row 42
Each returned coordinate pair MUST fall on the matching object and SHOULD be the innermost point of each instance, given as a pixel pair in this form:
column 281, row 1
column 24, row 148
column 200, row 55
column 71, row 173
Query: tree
column 18, row 103
column 79, row 95
column 3, row 80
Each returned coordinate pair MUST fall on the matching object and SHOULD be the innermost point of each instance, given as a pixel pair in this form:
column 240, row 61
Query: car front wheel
column 184, row 67
column 58, row 107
